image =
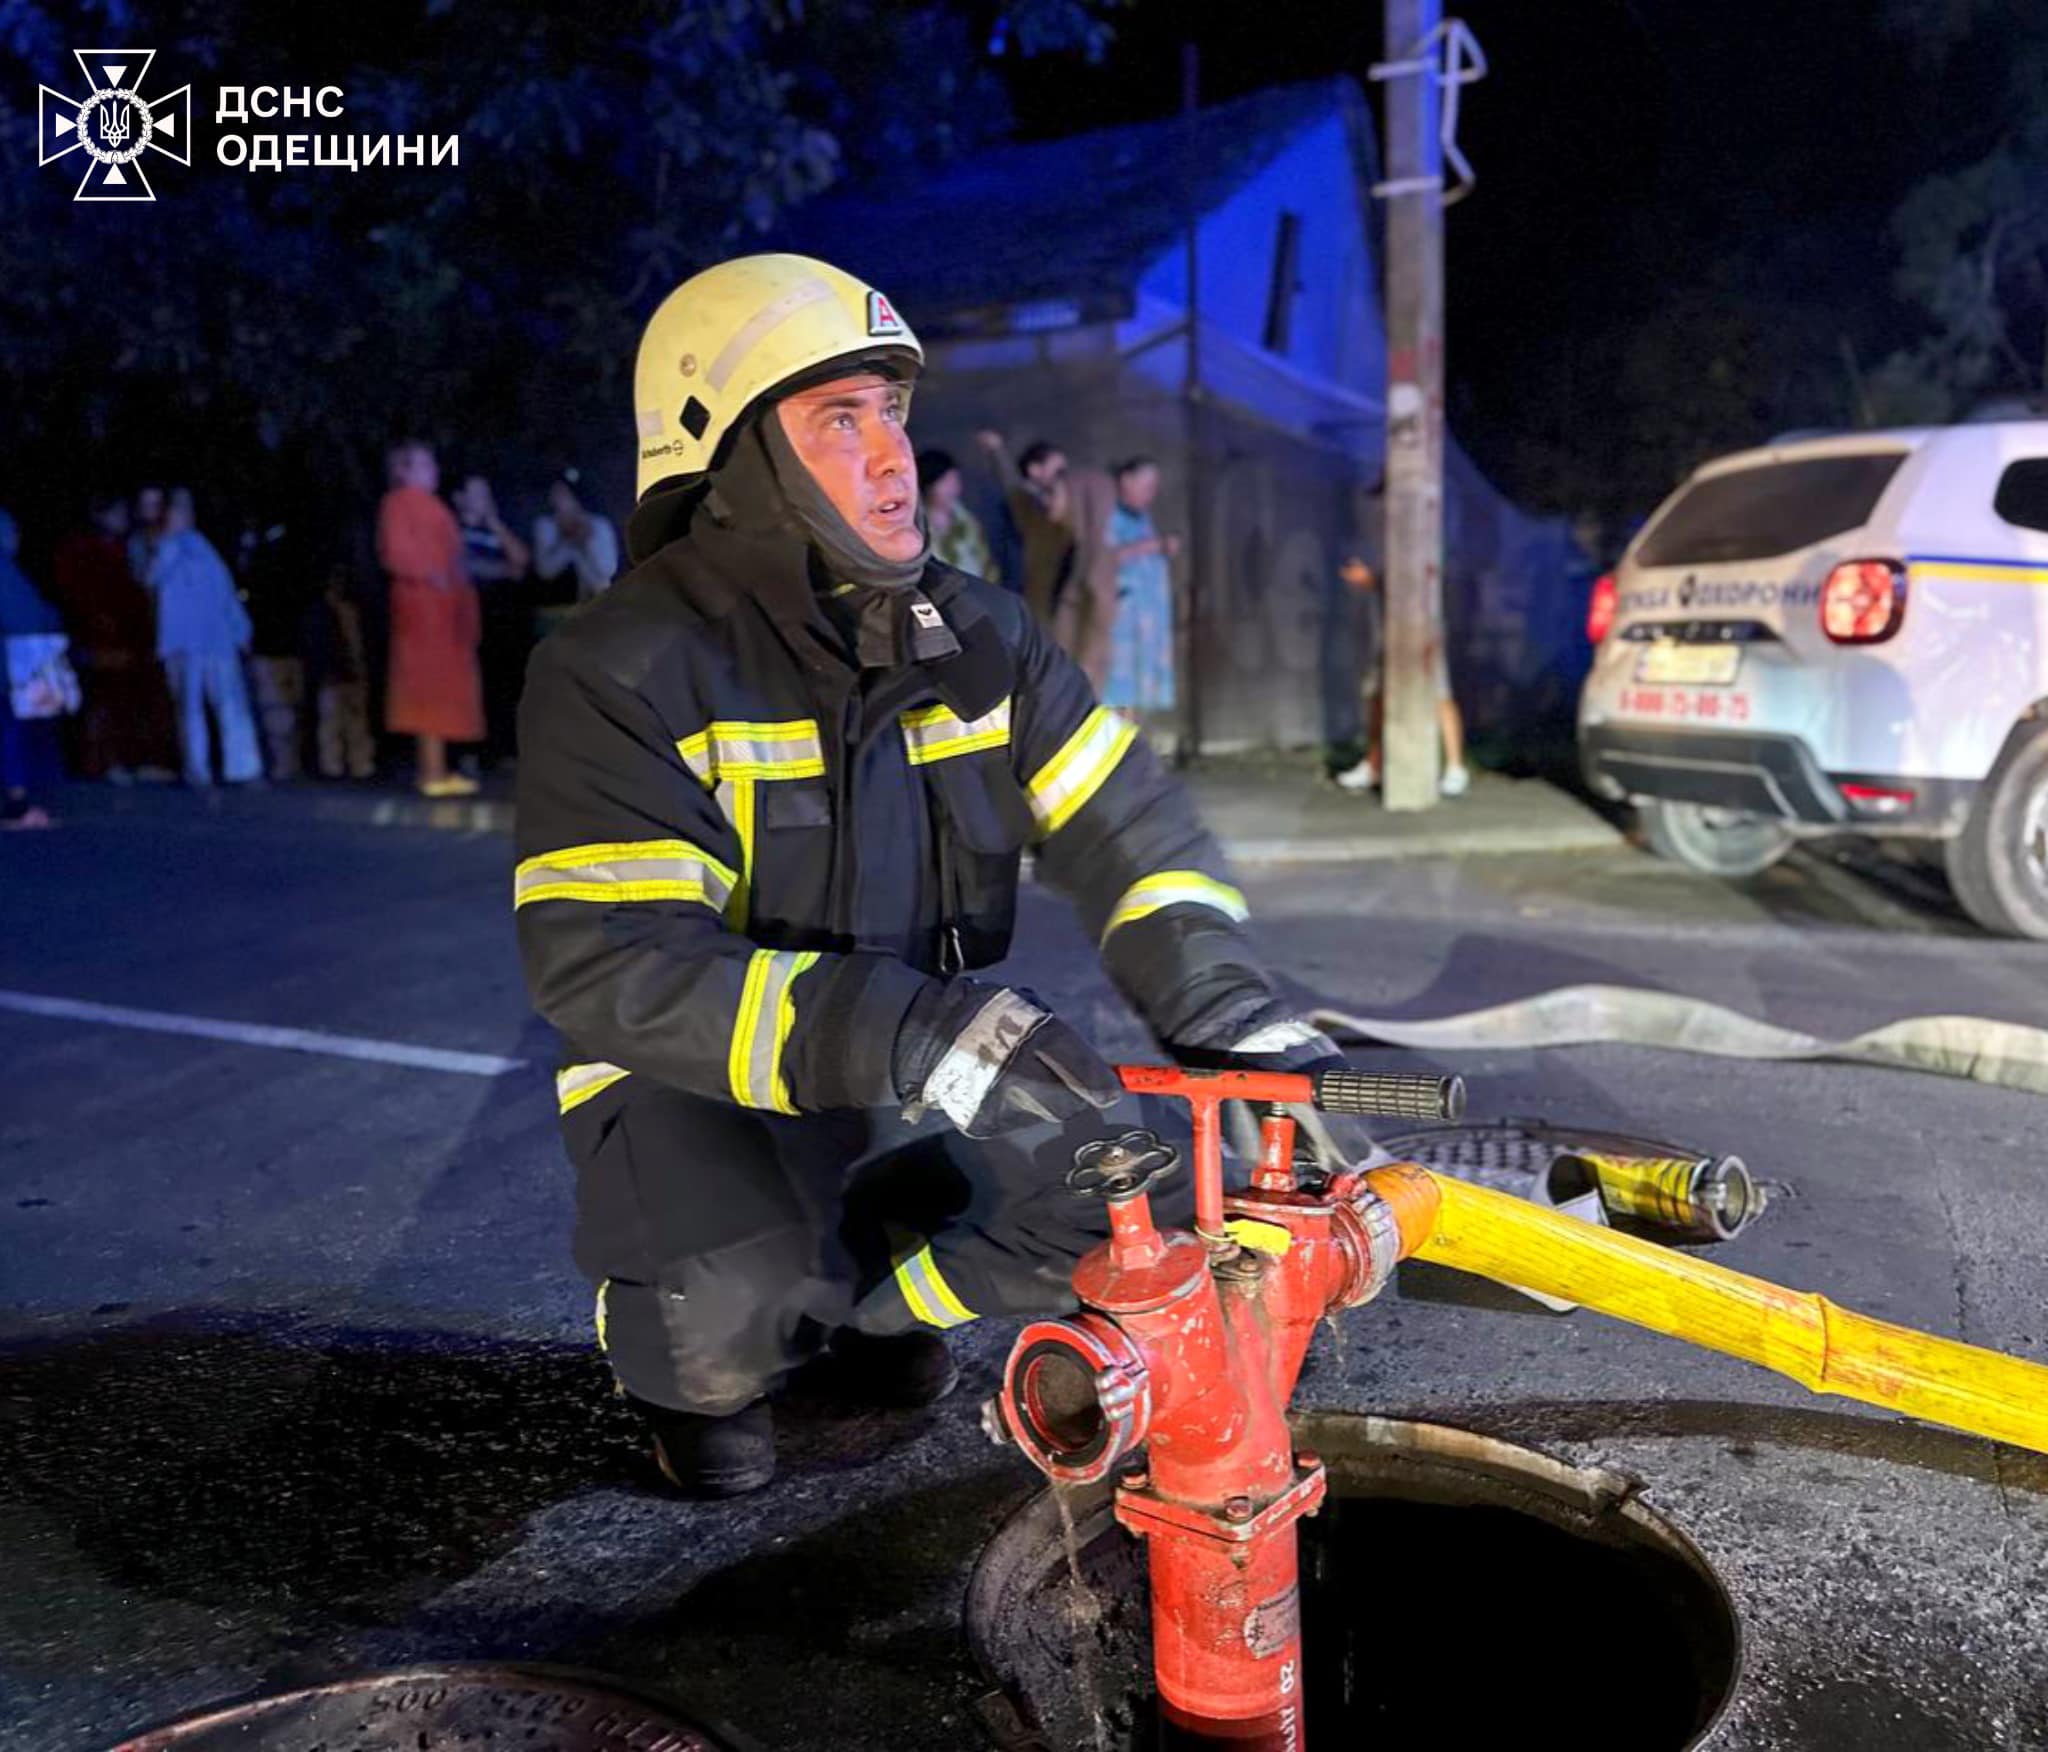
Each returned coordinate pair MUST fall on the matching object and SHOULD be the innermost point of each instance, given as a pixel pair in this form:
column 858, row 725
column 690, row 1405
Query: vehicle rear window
column 2022, row 496
column 1773, row 508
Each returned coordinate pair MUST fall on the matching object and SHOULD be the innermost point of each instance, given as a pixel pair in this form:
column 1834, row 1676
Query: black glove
column 1272, row 1039
column 992, row 1059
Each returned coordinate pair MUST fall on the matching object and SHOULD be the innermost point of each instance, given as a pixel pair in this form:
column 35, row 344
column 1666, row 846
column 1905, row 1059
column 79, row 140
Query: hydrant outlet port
column 1075, row 1399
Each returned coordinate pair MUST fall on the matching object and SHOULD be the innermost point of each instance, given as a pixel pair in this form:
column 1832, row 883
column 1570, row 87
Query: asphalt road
column 295, row 1377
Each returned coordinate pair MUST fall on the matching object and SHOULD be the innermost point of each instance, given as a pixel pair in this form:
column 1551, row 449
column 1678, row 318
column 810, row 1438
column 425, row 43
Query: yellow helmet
column 730, row 335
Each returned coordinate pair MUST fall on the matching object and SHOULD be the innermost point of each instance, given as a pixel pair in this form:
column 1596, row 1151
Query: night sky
column 1621, row 145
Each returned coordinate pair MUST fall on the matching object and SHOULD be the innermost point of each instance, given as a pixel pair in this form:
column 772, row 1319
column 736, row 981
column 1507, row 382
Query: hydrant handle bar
column 1400, row 1097
column 1359, row 1092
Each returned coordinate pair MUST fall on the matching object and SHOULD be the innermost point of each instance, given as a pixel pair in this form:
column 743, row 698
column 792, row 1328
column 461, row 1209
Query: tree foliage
column 1972, row 241
column 264, row 335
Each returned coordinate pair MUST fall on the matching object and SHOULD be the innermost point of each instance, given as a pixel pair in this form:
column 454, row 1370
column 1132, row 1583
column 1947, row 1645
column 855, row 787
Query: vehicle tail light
column 1877, row 799
column 1863, row 601
column 1602, row 607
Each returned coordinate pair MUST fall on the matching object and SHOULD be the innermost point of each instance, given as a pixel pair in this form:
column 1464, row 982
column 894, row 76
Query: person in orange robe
column 435, row 689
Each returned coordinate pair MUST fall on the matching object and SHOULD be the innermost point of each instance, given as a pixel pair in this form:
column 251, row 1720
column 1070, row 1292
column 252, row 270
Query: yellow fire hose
column 1824, row 1348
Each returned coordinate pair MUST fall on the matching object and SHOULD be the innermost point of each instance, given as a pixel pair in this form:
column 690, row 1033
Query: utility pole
column 1415, row 402
column 1193, row 435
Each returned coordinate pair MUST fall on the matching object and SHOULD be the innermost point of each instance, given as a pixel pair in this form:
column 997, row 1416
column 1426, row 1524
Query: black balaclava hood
column 763, row 489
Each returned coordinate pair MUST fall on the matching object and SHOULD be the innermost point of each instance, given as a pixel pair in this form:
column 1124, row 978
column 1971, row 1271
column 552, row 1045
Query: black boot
column 712, row 1456
column 913, row 1368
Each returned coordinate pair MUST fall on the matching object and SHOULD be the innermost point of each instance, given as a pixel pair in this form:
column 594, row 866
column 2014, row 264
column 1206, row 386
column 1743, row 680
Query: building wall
column 1337, row 334
column 1270, row 644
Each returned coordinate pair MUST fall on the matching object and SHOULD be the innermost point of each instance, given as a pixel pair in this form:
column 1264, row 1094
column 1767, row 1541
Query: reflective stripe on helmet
column 624, row 870
column 1066, row 782
column 743, row 330
column 1167, row 888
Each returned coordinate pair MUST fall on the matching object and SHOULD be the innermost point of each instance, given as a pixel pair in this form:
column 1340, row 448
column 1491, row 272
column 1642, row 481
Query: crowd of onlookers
column 150, row 654
column 1079, row 545
column 154, row 656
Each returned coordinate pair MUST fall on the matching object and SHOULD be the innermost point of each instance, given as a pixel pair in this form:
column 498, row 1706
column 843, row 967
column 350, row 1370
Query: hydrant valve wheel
column 1121, row 1167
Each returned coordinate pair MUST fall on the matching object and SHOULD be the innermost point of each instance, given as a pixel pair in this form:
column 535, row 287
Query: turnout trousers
column 728, row 1244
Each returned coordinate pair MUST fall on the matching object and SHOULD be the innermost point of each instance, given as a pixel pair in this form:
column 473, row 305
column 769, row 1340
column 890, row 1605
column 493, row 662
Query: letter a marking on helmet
column 882, row 317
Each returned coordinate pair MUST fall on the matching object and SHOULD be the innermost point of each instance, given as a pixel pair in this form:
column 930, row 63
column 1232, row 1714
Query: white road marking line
column 349, row 1046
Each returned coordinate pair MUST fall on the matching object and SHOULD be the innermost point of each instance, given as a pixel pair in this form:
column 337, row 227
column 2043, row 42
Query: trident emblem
column 115, row 125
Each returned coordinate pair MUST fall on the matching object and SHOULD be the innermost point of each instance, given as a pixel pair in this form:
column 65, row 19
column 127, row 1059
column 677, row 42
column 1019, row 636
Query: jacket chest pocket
column 769, row 782
column 783, row 826
column 981, row 823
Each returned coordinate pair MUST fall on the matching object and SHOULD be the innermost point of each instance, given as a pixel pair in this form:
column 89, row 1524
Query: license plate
column 1689, row 665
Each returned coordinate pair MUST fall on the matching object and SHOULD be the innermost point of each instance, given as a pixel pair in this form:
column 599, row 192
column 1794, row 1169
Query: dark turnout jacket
column 753, row 825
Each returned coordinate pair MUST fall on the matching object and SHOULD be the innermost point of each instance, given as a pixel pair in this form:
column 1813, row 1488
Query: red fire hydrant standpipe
column 1190, row 1344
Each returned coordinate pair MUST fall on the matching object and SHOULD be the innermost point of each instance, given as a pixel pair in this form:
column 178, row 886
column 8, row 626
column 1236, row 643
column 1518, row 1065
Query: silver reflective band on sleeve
column 1167, row 888
column 761, row 1030
column 962, row 1079
column 1284, row 1035
column 927, row 1294
column 936, row 733
column 730, row 749
column 624, row 870
column 1087, row 758
column 576, row 1084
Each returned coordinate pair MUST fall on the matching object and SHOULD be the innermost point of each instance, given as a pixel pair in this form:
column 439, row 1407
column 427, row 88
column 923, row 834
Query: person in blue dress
column 1141, row 656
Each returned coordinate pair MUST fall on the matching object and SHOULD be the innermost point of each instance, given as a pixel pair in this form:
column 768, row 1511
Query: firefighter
column 774, row 788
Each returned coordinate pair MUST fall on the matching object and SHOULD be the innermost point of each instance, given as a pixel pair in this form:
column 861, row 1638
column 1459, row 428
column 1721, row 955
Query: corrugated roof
column 1077, row 218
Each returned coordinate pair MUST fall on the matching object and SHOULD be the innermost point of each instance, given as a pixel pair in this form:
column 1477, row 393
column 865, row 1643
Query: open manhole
column 1456, row 1591
column 446, row 1709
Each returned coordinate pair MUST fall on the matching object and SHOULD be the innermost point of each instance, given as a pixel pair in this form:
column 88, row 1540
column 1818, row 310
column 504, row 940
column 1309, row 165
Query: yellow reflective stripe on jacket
column 1176, row 888
column 1076, row 773
column 729, row 749
column 936, row 733
column 736, row 798
column 601, row 1316
column 576, row 1084
column 624, row 870
column 760, row 1032
column 927, row 1294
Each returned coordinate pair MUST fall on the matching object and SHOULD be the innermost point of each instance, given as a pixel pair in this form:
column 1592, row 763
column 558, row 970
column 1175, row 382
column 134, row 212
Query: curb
column 1579, row 831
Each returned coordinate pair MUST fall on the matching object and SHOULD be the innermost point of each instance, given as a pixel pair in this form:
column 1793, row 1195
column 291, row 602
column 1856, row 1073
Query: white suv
column 1839, row 635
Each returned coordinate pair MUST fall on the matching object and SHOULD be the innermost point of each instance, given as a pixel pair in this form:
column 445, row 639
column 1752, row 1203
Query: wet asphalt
column 296, row 1379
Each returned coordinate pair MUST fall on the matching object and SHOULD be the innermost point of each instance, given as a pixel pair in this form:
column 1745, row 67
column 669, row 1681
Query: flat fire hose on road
column 1975, row 1048
column 1824, row 1347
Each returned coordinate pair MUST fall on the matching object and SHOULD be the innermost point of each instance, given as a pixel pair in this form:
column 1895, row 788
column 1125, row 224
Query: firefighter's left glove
column 1272, row 1039
column 992, row 1059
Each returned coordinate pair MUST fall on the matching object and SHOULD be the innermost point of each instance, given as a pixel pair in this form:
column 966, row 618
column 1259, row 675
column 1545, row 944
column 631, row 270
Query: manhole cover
column 441, row 1709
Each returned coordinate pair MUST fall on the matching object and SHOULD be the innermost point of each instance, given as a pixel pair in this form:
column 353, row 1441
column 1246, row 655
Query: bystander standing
column 145, row 530
column 1035, row 496
column 575, row 549
column 958, row 540
column 202, row 632
column 1141, row 644
column 1361, row 574
column 1084, row 614
column 124, row 727
column 497, row 562
column 277, row 585
column 434, row 690
column 37, row 687
column 338, row 675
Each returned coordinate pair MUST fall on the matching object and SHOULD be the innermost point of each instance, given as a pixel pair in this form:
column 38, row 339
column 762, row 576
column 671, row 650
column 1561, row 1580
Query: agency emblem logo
column 115, row 124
